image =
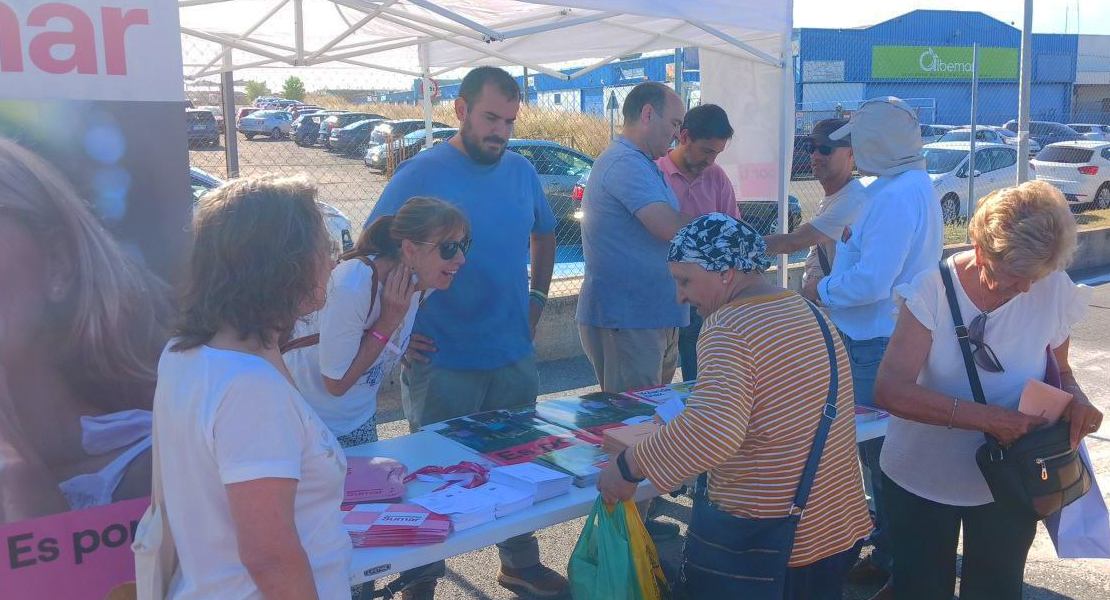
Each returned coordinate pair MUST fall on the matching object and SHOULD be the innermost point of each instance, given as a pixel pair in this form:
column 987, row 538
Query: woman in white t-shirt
column 252, row 478
column 340, row 355
column 1016, row 300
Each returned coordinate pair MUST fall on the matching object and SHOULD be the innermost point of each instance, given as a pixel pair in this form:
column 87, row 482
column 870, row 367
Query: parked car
column 377, row 155
column 991, row 135
column 202, row 128
column 398, row 129
column 339, row 226
column 341, row 120
column 304, row 109
column 218, row 112
column 354, row 139
column 1081, row 170
column 800, row 165
column 762, row 215
column 932, row 133
column 246, row 110
column 1092, row 131
column 559, row 168
column 274, row 123
column 1047, row 132
column 947, row 165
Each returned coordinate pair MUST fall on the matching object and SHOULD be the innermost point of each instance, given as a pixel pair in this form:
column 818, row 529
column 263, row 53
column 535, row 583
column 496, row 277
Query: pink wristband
column 381, row 338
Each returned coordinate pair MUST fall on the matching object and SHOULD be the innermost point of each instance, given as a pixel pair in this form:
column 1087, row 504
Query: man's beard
column 474, row 147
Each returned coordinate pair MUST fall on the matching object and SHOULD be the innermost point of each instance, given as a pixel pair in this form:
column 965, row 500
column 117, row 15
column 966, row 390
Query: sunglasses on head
column 809, row 146
column 448, row 250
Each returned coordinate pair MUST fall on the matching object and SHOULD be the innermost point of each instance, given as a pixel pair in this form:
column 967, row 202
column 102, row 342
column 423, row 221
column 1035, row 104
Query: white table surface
column 427, row 448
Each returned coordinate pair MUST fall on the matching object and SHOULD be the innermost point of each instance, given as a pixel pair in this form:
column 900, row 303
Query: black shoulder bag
column 1040, row 473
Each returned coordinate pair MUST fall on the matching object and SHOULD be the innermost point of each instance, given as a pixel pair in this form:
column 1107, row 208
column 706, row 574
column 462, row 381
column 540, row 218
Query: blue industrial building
column 924, row 56
column 588, row 93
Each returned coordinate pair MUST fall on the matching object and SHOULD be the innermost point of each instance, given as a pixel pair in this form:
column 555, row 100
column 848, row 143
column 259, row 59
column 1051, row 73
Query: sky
column 1049, row 16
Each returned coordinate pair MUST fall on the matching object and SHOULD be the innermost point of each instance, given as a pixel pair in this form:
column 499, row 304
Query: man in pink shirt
column 702, row 188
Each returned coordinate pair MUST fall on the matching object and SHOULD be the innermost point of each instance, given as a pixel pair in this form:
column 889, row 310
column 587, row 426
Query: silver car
column 339, row 226
column 274, row 123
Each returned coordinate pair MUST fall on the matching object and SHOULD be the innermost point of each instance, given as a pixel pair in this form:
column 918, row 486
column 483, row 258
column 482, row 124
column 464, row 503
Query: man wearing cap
column 702, row 187
column 832, row 163
column 898, row 234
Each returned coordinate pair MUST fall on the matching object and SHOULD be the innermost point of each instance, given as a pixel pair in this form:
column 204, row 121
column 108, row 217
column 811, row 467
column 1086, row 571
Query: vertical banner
column 94, row 205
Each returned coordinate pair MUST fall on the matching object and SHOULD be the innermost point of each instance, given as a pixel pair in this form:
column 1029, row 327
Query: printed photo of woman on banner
column 95, row 205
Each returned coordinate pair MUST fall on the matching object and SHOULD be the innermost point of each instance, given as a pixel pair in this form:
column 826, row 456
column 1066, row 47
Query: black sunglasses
column 809, row 146
column 982, row 353
column 448, row 250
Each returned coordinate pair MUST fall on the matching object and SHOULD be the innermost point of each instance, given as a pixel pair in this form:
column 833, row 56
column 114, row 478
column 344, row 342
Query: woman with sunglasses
column 1017, row 300
column 340, row 355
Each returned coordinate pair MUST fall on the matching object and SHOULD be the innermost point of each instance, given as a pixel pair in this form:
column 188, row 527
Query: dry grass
column 1090, row 219
column 586, row 133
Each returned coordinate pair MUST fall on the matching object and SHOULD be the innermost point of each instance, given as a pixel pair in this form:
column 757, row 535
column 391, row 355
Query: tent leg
column 426, row 79
column 227, row 102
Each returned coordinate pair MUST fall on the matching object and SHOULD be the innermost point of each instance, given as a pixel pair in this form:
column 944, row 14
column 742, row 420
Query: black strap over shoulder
column 828, row 413
column 823, row 258
column 961, row 330
column 314, row 338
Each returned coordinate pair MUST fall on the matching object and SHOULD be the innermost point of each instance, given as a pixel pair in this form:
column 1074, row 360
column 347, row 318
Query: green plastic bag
column 601, row 566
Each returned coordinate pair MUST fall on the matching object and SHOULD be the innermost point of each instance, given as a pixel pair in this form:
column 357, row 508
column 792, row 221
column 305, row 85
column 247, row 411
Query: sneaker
column 865, row 571
column 886, row 593
column 661, row 531
column 537, row 582
column 420, row 590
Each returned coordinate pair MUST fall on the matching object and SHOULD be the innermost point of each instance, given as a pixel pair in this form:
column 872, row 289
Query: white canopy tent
column 745, row 49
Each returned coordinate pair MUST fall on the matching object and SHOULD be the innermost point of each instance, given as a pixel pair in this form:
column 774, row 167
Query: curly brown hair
column 255, row 260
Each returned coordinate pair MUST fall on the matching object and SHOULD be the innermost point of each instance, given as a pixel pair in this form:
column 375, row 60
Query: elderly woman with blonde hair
column 1017, row 300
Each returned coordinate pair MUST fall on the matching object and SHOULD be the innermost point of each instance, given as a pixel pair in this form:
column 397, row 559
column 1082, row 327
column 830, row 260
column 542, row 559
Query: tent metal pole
column 678, row 66
column 1023, row 94
column 634, row 49
column 786, row 151
column 526, row 31
column 227, row 102
column 234, row 43
column 490, row 34
column 426, row 89
column 679, row 40
column 767, row 58
column 246, row 34
column 350, row 30
column 298, row 30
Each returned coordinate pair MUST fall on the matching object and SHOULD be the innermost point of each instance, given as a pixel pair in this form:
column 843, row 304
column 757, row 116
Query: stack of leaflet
column 471, row 507
column 539, row 481
column 620, row 438
column 382, row 525
column 373, row 479
column 508, row 499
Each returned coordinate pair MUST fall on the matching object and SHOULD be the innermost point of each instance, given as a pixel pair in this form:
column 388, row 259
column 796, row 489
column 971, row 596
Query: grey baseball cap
column 886, row 137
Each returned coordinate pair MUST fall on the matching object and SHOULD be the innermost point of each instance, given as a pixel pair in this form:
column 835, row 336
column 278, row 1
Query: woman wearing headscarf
column 773, row 384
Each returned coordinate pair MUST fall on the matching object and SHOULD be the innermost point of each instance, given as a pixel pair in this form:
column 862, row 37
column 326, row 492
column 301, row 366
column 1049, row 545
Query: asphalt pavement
column 473, row 575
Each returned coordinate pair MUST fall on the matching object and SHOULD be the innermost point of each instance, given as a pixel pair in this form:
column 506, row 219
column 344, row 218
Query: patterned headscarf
column 719, row 242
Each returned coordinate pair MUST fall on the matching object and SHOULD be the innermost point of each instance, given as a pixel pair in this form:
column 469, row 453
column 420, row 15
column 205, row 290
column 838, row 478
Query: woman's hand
column 612, row 486
column 1008, row 425
column 396, row 298
column 1085, row 419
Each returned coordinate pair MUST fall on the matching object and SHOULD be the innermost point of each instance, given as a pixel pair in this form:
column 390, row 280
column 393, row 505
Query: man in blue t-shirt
column 471, row 348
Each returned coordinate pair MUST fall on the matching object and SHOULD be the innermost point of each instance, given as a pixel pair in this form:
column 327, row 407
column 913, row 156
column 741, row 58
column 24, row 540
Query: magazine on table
column 663, row 393
column 584, row 462
column 590, row 415
column 508, row 437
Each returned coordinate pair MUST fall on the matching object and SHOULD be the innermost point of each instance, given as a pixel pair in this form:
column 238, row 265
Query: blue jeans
column 865, row 356
column 688, row 347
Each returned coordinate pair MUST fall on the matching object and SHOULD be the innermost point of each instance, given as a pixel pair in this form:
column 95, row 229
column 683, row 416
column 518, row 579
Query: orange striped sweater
column 763, row 376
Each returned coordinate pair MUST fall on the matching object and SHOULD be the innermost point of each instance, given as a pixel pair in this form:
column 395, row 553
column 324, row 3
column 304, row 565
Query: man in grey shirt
column 628, row 317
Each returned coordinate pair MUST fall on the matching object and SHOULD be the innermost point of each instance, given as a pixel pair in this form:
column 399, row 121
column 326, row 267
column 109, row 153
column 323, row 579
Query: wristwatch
column 626, row 474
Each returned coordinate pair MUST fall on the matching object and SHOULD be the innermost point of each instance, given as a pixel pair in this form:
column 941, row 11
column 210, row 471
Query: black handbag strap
column 828, row 413
column 961, row 331
column 965, row 346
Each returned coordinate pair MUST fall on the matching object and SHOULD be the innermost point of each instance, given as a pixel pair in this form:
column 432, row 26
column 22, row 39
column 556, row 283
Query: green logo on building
column 942, row 62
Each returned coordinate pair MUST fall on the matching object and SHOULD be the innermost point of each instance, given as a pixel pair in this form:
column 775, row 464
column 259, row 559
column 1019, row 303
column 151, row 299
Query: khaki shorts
column 629, row 359
column 434, row 394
